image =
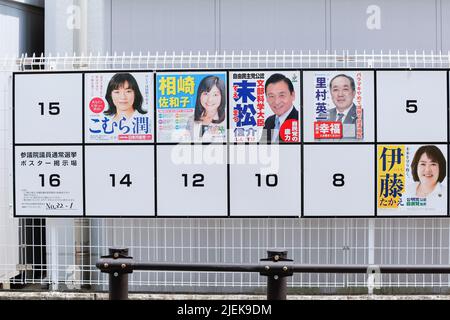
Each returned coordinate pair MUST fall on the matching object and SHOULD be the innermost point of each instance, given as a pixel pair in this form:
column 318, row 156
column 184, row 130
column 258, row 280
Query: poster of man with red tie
column 265, row 106
column 337, row 103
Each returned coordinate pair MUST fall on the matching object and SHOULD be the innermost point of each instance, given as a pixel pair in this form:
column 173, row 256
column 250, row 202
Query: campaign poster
column 265, row 106
column 119, row 107
column 338, row 105
column 412, row 180
column 191, row 106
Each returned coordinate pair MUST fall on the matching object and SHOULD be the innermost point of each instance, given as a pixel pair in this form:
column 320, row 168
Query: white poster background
column 176, row 199
column 122, row 199
column 278, row 170
column 33, row 199
column 355, row 197
column 61, row 88
column 428, row 89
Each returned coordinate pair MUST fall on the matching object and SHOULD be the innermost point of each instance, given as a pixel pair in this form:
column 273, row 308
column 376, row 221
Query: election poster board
column 339, row 106
column 261, row 180
column 192, row 180
column 412, row 106
column 119, row 180
column 412, row 179
column 257, row 100
column 191, row 106
column 48, row 180
column 119, row 107
column 48, row 108
column 231, row 143
column 338, row 179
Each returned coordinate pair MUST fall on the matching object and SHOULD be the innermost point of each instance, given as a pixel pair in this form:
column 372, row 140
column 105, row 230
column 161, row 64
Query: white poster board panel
column 48, row 108
column 192, row 180
column 265, row 180
column 329, row 93
column 118, row 107
column 120, row 180
column 339, row 180
column 412, row 106
column 48, row 181
column 259, row 97
column 412, row 180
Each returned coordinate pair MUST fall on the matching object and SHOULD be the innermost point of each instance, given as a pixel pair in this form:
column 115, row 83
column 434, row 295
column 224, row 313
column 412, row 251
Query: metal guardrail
column 276, row 267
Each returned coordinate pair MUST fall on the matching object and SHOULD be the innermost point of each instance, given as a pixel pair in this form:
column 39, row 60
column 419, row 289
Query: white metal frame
column 241, row 60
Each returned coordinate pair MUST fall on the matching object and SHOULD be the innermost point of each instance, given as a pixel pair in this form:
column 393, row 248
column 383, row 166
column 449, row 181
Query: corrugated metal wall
column 218, row 25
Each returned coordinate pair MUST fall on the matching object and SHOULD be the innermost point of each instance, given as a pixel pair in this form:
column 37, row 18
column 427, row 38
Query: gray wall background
column 21, row 32
column 176, row 25
column 21, row 28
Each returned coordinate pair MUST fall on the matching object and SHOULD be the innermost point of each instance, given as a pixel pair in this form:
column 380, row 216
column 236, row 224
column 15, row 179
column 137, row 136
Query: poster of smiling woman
column 119, row 107
column 191, row 106
column 412, row 180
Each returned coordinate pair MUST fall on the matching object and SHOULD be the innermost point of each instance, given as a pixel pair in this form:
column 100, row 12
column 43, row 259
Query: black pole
column 276, row 283
column 118, row 280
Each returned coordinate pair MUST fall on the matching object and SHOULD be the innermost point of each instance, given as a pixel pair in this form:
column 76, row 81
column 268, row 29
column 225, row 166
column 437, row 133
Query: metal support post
column 276, row 280
column 117, row 264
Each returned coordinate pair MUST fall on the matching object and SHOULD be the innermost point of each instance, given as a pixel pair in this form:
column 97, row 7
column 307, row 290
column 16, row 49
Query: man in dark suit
column 280, row 96
column 342, row 88
column 349, row 119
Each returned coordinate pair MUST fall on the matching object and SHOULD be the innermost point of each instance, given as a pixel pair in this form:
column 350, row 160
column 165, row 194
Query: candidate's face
column 211, row 99
column 342, row 93
column 427, row 170
column 123, row 97
column 279, row 98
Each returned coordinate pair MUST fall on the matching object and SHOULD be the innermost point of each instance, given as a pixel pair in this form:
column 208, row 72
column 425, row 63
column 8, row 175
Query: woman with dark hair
column 429, row 169
column 208, row 121
column 124, row 97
